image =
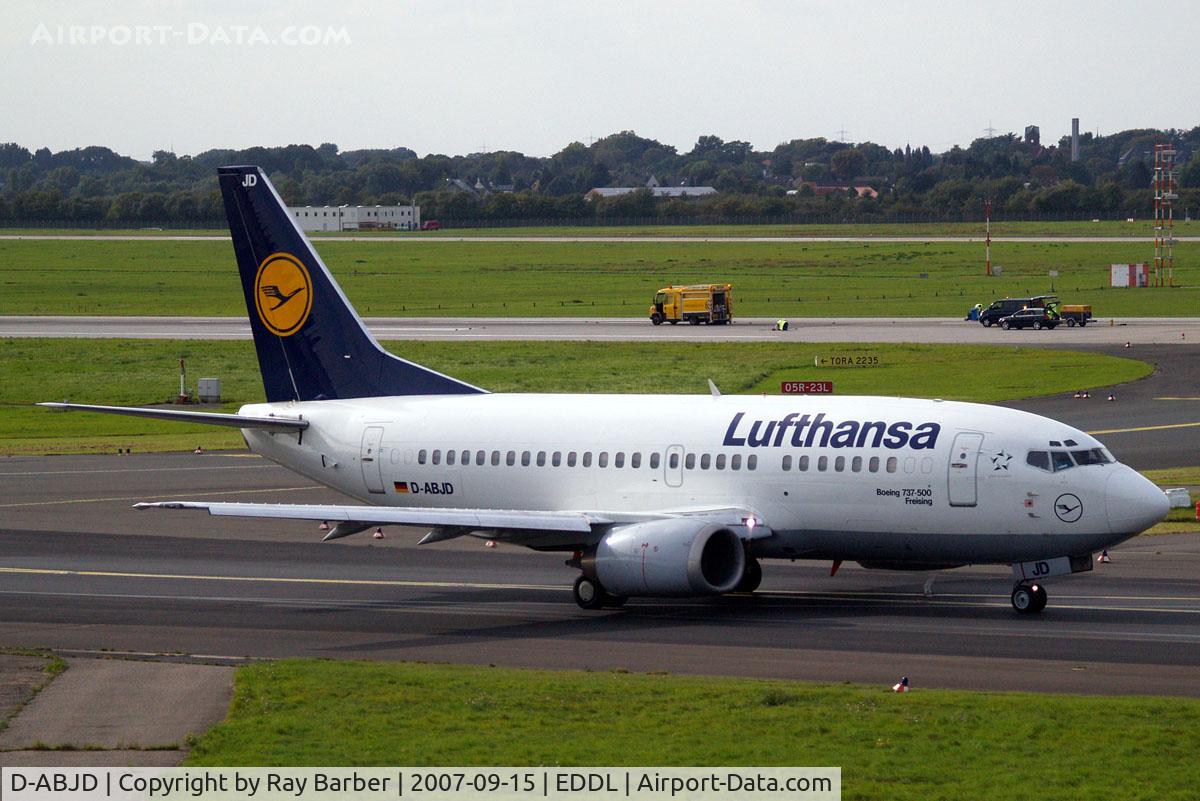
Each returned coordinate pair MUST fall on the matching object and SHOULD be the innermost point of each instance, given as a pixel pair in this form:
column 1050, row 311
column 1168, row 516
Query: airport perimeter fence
column 605, row 221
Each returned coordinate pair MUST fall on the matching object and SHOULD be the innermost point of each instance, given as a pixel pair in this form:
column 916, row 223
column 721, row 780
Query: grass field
column 971, row 229
column 926, row 745
column 592, row 279
column 140, row 372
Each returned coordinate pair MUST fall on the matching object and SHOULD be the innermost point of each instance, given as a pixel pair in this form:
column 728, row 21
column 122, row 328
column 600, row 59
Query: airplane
column 652, row 495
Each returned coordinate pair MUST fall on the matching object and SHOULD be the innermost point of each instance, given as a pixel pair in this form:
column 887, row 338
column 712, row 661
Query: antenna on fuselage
column 716, row 393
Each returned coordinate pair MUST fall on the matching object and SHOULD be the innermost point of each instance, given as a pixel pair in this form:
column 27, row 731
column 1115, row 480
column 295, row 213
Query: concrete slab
column 19, row 678
column 117, row 704
column 91, row 759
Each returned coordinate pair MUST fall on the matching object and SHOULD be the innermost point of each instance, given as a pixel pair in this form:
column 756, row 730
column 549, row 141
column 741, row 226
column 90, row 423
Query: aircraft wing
column 532, row 528
column 446, row 523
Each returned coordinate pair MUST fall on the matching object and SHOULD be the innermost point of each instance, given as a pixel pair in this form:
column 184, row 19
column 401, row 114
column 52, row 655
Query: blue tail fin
column 311, row 344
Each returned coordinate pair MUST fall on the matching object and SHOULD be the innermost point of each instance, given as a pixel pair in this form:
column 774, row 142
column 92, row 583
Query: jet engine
column 676, row 557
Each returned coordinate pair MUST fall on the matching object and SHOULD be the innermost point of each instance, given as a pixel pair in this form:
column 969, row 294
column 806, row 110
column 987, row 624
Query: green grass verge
column 809, row 279
column 1013, row 228
column 932, row 744
column 140, row 372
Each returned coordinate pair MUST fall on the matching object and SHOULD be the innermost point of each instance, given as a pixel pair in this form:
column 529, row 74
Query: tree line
column 804, row 179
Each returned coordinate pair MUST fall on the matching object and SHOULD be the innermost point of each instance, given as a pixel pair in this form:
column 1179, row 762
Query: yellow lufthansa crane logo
column 282, row 293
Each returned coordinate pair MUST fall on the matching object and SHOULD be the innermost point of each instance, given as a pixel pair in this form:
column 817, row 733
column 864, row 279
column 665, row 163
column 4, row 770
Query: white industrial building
column 357, row 218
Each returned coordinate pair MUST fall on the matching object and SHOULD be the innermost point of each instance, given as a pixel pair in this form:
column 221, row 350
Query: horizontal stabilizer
column 468, row 519
column 208, row 418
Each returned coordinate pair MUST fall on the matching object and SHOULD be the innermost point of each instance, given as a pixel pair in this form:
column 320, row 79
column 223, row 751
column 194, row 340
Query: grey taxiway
column 82, row 572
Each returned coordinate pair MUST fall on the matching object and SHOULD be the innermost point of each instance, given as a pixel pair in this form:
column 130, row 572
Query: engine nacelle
column 668, row 557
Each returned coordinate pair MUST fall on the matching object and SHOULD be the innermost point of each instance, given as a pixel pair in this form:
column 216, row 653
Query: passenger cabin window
column 655, row 460
column 891, row 464
column 466, row 458
column 856, row 464
column 787, row 463
column 689, row 461
column 803, row 464
column 735, row 462
column 556, row 459
column 587, row 458
column 510, row 458
column 619, row 459
column 451, row 457
column 705, row 461
column 839, row 464
column 541, row 459
column 495, row 458
column 635, row 460
column 525, row 458
column 480, row 457
column 1038, row 459
column 873, row 465
column 752, row 461
column 422, row 455
column 602, row 460
column 571, row 459
column 673, row 460
column 720, row 461
column 822, row 463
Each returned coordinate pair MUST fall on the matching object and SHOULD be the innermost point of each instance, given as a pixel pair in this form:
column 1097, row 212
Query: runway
column 933, row 330
column 552, row 238
column 81, row 571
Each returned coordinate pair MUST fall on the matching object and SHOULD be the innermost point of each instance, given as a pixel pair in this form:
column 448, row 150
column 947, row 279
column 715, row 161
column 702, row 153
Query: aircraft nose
column 1134, row 503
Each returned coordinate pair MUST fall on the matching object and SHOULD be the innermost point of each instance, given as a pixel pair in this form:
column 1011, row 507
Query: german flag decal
column 401, row 487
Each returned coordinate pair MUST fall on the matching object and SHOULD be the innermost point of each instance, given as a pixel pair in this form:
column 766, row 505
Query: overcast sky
column 459, row 77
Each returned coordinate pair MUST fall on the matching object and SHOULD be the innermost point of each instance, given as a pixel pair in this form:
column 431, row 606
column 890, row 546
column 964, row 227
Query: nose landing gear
column 1028, row 598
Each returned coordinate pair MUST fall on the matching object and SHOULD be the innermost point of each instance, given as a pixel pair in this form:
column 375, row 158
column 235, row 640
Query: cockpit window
column 1061, row 460
column 1091, row 456
column 1070, row 443
column 1038, row 459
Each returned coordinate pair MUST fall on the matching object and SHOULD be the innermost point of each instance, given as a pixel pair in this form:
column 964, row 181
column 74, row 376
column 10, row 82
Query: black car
column 1007, row 306
column 1029, row 318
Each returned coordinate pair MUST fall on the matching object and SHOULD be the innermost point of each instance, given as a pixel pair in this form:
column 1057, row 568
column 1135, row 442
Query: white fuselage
column 951, row 486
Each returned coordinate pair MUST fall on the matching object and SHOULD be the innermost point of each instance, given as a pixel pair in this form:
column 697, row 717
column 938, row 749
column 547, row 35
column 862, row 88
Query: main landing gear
column 751, row 576
column 1028, row 598
column 589, row 594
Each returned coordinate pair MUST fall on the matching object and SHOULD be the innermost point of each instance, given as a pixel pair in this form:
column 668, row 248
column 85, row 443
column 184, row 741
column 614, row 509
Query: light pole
column 987, row 240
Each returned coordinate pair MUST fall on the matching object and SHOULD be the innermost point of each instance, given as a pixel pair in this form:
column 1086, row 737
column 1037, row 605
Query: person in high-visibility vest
column 781, row 325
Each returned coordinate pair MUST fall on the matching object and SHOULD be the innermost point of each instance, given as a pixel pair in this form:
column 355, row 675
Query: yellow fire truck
column 698, row 303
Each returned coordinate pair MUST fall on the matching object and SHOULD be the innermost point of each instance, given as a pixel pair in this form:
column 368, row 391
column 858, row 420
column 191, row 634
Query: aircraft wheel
column 656, row 318
column 751, row 576
column 1039, row 597
column 1028, row 599
column 589, row 594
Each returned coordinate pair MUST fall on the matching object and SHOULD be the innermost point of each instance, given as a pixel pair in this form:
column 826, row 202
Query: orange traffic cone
column 901, row 686
column 324, row 526
column 1112, row 397
column 1104, row 558
column 490, row 544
